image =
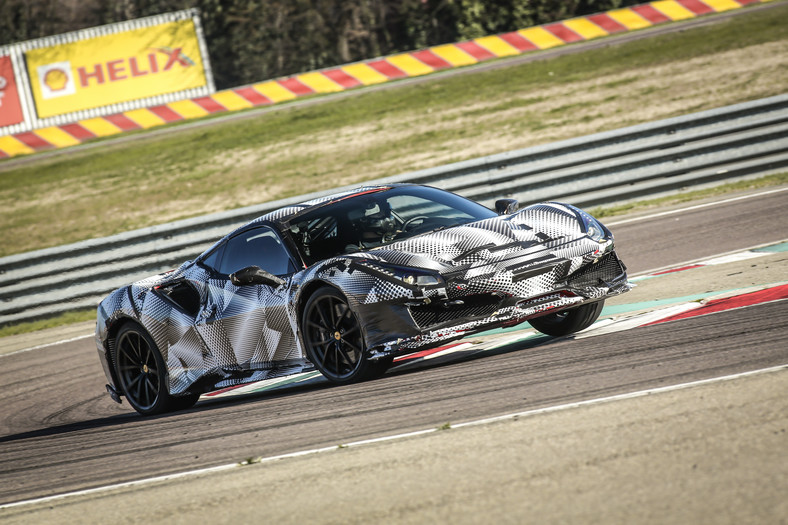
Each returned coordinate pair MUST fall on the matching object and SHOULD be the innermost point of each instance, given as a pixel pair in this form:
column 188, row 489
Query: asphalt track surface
column 59, row 431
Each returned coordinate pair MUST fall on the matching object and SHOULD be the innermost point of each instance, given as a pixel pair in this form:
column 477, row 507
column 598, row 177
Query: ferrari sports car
column 346, row 283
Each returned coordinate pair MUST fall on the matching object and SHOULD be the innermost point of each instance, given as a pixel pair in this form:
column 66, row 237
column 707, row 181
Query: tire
column 333, row 339
column 569, row 321
column 142, row 373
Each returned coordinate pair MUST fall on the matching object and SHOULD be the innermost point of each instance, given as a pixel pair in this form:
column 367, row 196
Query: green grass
column 78, row 316
column 762, row 182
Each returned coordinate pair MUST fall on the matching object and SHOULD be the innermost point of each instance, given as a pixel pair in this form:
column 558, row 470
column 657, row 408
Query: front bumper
column 439, row 322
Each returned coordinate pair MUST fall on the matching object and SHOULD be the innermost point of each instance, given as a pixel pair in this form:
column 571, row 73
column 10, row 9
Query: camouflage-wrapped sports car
column 347, row 282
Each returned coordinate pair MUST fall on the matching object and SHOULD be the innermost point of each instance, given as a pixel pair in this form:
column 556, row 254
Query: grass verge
column 778, row 179
column 78, row 316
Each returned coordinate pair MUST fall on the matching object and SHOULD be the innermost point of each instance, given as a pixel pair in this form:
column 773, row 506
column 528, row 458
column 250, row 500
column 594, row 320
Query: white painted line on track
column 636, row 321
column 395, row 437
column 694, row 207
column 704, row 260
column 77, row 338
column 621, row 397
column 734, row 257
column 107, row 488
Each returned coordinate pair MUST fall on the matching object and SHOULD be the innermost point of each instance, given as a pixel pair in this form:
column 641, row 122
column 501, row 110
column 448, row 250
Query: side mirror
column 255, row 275
column 506, row 206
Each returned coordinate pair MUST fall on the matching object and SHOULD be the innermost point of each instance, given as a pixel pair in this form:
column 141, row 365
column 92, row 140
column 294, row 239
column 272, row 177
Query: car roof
column 288, row 212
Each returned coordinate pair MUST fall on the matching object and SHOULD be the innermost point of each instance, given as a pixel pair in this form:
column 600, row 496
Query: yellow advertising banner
column 115, row 68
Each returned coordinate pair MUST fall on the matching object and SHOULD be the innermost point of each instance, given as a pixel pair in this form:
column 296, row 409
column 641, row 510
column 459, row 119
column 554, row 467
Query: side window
column 258, row 247
column 213, row 258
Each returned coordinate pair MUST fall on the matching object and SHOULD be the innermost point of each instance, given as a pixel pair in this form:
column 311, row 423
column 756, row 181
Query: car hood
column 536, row 231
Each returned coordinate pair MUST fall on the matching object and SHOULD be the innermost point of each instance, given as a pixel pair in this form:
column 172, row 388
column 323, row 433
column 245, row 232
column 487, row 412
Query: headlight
column 409, row 276
column 592, row 227
column 421, row 280
column 413, row 276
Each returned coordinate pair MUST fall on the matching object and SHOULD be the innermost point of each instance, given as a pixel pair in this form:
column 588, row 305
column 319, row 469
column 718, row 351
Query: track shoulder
column 711, row 452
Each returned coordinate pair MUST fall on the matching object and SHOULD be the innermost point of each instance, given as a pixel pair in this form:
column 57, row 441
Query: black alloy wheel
column 142, row 373
column 333, row 339
column 569, row 321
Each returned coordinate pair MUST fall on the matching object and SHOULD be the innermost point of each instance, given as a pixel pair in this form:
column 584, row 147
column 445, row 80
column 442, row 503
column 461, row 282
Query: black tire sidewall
column 364, row 369
column 164, row 402
column 575, row 320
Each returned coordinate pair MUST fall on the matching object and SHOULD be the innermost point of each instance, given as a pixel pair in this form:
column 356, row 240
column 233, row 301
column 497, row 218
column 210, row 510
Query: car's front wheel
column 142, row 373
column 333, row 339
column 569, row 321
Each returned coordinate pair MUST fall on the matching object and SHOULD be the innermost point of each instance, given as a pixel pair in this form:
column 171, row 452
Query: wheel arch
column 308, row 291
column 113, row 328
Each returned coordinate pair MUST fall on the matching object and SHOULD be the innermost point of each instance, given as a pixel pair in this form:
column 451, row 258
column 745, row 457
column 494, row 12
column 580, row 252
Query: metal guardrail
column 644, row 160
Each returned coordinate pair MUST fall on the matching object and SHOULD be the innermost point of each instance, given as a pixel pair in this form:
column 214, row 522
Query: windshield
column 371, row 219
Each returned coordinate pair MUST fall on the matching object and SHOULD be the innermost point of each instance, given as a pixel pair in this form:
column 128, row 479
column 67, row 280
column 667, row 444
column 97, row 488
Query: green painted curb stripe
column 775, row 248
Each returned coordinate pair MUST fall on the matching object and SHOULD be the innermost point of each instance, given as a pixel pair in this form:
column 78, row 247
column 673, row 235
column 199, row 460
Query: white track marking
column 621, row 397
column 77, row 338
column 395, row 437
column 637, row 320
column 403, row 365
column 705, row 260
column 734, row 257
column 695, row 207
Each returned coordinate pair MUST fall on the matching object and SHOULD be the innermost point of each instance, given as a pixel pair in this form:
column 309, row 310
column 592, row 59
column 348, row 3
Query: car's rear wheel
column 142, row 373
column 333, row 339
column 569, row 321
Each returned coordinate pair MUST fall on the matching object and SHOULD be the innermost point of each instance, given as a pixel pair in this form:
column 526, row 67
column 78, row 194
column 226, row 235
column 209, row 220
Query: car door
column 249, row 327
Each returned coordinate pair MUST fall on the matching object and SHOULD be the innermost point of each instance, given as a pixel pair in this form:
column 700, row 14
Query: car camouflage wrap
column 407, row 294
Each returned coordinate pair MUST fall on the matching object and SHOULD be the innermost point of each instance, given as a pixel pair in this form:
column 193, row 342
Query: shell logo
column 56, row 80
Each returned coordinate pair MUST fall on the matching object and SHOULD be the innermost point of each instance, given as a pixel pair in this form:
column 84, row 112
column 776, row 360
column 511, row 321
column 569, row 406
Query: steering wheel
column 407, row 223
